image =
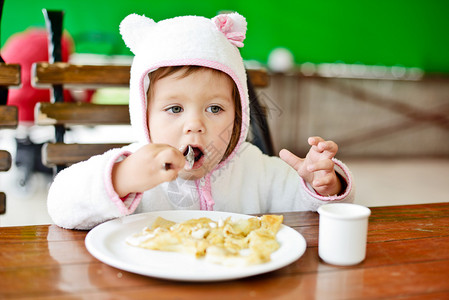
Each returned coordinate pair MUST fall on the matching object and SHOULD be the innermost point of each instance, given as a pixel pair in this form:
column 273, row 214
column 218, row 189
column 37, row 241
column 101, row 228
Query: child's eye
column 175, row 109
column 215, row 109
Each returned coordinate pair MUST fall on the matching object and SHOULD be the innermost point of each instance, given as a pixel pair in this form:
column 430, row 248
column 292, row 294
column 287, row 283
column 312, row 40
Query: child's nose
column 194, row 125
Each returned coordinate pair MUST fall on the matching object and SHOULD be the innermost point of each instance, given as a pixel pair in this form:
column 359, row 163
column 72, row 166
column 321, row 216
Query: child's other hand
column 145, row 168
column 317, row 168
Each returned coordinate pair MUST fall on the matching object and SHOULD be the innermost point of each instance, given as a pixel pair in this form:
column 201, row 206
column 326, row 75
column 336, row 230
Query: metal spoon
column 190, row 157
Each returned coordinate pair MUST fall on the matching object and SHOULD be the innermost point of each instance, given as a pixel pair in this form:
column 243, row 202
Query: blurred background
column 373, row 77
column 401, row 33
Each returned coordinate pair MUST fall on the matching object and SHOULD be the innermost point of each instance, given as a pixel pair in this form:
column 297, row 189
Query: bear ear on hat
column 133, row 29
column 233, row 26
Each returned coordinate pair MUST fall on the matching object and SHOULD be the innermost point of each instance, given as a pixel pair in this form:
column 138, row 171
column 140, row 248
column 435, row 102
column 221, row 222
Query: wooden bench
column 9, row 76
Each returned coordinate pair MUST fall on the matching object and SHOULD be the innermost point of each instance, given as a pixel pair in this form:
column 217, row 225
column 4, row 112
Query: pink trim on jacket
column 129, row 205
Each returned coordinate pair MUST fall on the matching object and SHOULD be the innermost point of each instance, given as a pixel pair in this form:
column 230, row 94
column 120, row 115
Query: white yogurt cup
column 343, row 233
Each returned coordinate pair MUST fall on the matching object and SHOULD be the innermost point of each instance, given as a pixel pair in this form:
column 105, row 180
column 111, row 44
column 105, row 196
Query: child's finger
column 328, row 147
column 171, row 159
column 169, row 175
column 291, row 159
column 321, row 165
column 315, row 140
column 321, row 185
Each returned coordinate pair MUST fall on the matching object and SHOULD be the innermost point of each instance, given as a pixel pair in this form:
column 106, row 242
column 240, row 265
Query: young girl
column 188, row 91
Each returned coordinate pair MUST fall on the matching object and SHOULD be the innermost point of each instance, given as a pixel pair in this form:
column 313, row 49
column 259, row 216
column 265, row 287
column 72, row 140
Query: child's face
column 196, row 110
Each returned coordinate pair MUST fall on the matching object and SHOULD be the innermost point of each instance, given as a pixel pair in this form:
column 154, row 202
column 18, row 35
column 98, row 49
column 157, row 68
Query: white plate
column 107, row 243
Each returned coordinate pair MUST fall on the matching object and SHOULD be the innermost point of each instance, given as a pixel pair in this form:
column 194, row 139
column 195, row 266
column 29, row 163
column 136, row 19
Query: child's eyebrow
column 170, row 95
column 221, row 96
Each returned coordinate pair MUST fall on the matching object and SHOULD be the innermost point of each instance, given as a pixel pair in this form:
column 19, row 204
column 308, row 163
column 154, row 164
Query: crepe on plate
column 228, row 242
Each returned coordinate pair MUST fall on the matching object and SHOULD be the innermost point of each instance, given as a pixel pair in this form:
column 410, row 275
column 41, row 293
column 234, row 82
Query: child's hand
column 146, row 168
column 317, row 168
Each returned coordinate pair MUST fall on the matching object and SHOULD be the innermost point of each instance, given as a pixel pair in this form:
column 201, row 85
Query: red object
column 25, row 48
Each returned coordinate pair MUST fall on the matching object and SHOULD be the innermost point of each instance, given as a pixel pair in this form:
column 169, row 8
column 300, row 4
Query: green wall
column 412, row 33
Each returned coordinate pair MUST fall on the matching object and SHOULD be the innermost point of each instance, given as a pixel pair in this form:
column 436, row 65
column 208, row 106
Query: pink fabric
column 206, row 198
column 225, row 24
column 129, row 205
column 143, row 97
column 204, row 191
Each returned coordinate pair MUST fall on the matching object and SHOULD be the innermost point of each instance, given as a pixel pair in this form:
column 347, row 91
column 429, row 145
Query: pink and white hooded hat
column 187, row 40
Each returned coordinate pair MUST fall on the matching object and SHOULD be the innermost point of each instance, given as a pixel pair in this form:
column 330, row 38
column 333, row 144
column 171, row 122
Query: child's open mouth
column 193, row 155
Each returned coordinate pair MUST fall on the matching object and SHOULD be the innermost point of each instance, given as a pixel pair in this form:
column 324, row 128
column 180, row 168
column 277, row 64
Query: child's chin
column 191, row 174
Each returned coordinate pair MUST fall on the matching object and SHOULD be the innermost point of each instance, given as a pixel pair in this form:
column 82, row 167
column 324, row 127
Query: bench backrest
column 9, row 76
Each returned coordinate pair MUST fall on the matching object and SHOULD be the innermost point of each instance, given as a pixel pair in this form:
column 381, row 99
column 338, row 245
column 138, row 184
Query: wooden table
column 407, row 258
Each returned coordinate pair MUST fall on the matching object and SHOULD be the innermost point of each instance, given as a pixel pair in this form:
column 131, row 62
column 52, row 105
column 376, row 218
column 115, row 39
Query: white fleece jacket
column 82, row 196
column 247, row 181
